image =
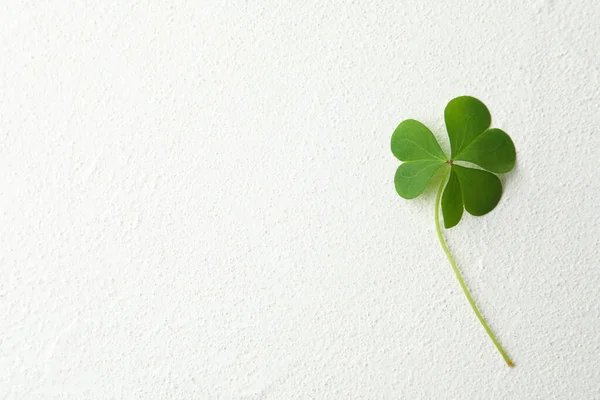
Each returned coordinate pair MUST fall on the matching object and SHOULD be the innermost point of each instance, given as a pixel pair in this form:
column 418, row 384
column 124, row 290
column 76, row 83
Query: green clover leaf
column 414, row 143
column 477, row 190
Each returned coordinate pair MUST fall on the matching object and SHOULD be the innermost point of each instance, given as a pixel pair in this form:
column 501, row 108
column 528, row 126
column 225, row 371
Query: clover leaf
column 477, row 190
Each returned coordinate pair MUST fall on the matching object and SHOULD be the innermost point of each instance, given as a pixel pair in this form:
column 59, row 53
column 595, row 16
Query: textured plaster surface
column 196, row 201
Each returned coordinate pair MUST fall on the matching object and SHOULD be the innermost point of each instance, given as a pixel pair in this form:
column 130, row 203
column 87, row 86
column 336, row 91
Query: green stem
column 458, row 275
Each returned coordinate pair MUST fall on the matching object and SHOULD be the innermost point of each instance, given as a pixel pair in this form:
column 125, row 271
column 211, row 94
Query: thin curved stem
column 459, row 276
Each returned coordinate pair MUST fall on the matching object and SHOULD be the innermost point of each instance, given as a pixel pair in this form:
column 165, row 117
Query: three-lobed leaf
column 471, row 140
column 476, row 190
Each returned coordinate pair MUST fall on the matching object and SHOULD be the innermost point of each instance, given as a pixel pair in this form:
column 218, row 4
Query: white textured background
column 197, row 201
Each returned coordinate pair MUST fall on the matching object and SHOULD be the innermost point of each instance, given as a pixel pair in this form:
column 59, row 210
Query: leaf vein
column 420, row 146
